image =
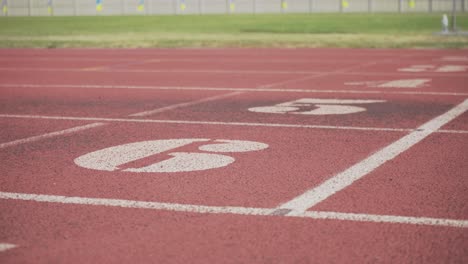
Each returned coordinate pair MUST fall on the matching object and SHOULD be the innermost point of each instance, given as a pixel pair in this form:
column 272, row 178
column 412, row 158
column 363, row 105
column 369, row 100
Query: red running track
column 233, row 156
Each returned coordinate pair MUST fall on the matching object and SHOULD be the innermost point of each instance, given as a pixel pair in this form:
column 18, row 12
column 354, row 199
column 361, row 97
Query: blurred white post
column 454, row 15
column 430, row 6
column 75, row 8
column 200, row 4
column 369, row 6
column 340, row 2
column 254, row 7
column 400, row 5
column 445, row 24
column 29, row 7
column 310, row 6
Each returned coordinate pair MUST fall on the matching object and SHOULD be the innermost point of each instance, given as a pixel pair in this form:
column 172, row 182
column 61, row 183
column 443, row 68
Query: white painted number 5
column 111, row 159
column 311, row 106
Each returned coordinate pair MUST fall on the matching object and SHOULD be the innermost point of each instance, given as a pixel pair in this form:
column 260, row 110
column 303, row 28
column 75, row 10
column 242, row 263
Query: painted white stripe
column 214, row 71
column 49, row 135
column 185, row 122
column 208, row 71
column 452, row 131
column 103, row 119
column 136, row 204
column 394, row 219
column 344, row 179
column 175, row 106
column 60, row 58
column 205, row 209
column 6, row 246
column 406, row 83
column 178, row 88
column 455, row 58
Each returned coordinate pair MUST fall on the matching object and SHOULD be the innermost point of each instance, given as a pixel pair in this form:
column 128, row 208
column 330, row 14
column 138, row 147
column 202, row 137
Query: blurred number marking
column 320, row 107
column 407, row 83
column 432, row 68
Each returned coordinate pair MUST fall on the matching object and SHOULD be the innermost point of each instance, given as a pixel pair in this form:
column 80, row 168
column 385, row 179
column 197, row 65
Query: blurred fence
column 157, row 7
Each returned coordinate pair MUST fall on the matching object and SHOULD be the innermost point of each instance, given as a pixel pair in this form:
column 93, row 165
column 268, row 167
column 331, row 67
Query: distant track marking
column 214, row 71
column 178, row 88
column 6, row 246
column 294, row 80
column 344, row 179
column 118, row 65
column 204, row 209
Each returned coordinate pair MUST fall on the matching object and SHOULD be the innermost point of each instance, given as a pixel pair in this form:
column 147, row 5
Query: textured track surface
column 233, row 156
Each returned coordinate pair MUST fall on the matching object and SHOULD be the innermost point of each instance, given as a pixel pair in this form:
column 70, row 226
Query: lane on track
column 407, row 111
column 432, row 189
column 258, row 178
column 78, row 233
column 401, row 111
column 95, row 102
column 184, row 79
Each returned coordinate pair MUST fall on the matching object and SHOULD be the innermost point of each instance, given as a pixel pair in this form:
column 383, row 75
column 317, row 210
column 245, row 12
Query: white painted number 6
column 109, row 159
column 319, row 107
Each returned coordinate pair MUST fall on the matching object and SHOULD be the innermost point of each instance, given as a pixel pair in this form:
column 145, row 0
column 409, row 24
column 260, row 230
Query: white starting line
column 204, row 209
column 443, row 72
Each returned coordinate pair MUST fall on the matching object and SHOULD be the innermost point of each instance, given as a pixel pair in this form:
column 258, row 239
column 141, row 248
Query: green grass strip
column 287, row 30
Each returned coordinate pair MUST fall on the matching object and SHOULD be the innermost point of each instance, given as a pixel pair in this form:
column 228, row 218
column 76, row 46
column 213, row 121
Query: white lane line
column 179, row 88
column 191, row 103
column 136, row 204
column 452, row 131
column 50, row 135
column 185, row 122
column 213, row 71
column 209, row 71
column 132, row 120
column 205, row 209
column 394, row 219
column 344, row 179
column 64, row 58
column 6, row 246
